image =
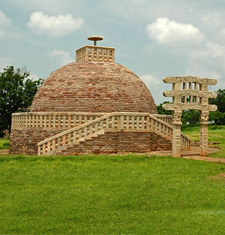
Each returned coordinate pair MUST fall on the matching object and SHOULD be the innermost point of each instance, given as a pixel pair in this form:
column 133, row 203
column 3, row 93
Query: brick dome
column 93, row 87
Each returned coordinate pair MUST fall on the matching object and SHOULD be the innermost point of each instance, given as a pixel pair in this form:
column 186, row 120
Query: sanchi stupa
column 92, row 106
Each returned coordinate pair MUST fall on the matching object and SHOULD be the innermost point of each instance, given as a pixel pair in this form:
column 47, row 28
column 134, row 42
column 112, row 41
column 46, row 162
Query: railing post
column 85, row 131
column 53, row 145
column 107, row 122
column 122, row 122
column 132, row 122
column 138, row 124
column 69, row 137
column 127, row 122
column 58, row 142
column 43, row 148
column 91, row 129
column 119, row 123
column 39, row 150
column 143, row 123
column 113, row 122
column 48, row 146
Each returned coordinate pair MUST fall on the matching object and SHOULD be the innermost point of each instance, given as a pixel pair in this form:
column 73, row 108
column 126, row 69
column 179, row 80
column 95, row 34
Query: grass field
column 113, row 194
column 110, row 195
column 4, row 143
column 216, row 134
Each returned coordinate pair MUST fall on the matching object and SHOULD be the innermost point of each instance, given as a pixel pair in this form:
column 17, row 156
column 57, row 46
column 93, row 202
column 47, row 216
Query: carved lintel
column 182, row 106
column 206, row 94
column 203, row 81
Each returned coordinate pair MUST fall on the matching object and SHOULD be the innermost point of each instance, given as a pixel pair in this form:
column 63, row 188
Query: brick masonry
column 93, row 87
column 25, row 142
column 120, row 142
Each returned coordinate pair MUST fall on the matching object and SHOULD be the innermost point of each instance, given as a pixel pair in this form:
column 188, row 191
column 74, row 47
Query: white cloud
column 150, row 80
column 4, row 23
column 212, row 18
column 56, row 26
column 208, row 62
column 155, row 85
column 211, row 49
column 173, row 34
column 62, row 57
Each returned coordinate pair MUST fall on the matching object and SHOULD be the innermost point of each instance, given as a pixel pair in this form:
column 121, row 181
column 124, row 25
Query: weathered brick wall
column 93, row 87
column 25, row 141
column 121, row 142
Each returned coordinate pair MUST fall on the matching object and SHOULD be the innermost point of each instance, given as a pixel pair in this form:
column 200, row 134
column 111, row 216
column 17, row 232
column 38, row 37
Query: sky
column 152, row 38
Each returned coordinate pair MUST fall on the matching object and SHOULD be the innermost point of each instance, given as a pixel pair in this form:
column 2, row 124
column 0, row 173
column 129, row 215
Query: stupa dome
column 93, row 84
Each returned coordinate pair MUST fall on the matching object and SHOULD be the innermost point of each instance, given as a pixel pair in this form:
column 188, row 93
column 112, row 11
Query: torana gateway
column 93, row 105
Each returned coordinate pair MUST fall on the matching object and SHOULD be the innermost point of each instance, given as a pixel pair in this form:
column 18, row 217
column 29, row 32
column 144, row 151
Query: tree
column 190, row 116
column 217, row 117
column 17, row 91
column 161, row 110
column 219, row 100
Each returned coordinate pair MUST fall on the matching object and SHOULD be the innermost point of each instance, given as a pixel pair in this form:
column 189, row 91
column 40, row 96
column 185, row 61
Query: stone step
column 65, row 147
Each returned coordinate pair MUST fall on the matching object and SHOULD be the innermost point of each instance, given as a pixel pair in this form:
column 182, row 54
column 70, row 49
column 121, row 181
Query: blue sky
column 152, row 38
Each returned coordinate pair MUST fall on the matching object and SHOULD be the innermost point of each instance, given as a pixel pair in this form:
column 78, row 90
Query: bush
column 5, row 145
column 215, row 127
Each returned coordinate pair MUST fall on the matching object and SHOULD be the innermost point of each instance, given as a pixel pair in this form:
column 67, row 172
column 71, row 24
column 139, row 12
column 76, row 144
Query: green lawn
column 4, row 143
column 110, row 195
column 216, row 134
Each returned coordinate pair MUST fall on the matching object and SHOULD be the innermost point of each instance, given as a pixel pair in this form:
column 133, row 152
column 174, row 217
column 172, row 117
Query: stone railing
column 51, row 119
column 160, row 127
column 113, row 121
column 95, row 54
column 137, row 122
column 166, row 118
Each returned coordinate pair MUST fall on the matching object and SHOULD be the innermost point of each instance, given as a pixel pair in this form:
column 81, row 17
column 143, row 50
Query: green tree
column 161, row 110
column 219, row 100
column 190, row 116
column 218, row 117
column 16, row 94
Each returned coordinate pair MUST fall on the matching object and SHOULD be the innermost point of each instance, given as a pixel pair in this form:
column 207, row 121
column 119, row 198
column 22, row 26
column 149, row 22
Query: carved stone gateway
column 190, row 93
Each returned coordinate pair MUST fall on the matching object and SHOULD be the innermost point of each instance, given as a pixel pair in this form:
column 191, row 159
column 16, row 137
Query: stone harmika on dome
column 94, row 83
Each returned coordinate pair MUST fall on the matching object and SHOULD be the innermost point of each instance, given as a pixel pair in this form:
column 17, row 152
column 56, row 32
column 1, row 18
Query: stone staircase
column 111, row 122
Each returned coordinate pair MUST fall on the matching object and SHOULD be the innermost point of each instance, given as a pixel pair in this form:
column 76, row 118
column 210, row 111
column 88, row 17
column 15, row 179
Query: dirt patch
column 218, row 177
column 4, row 151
